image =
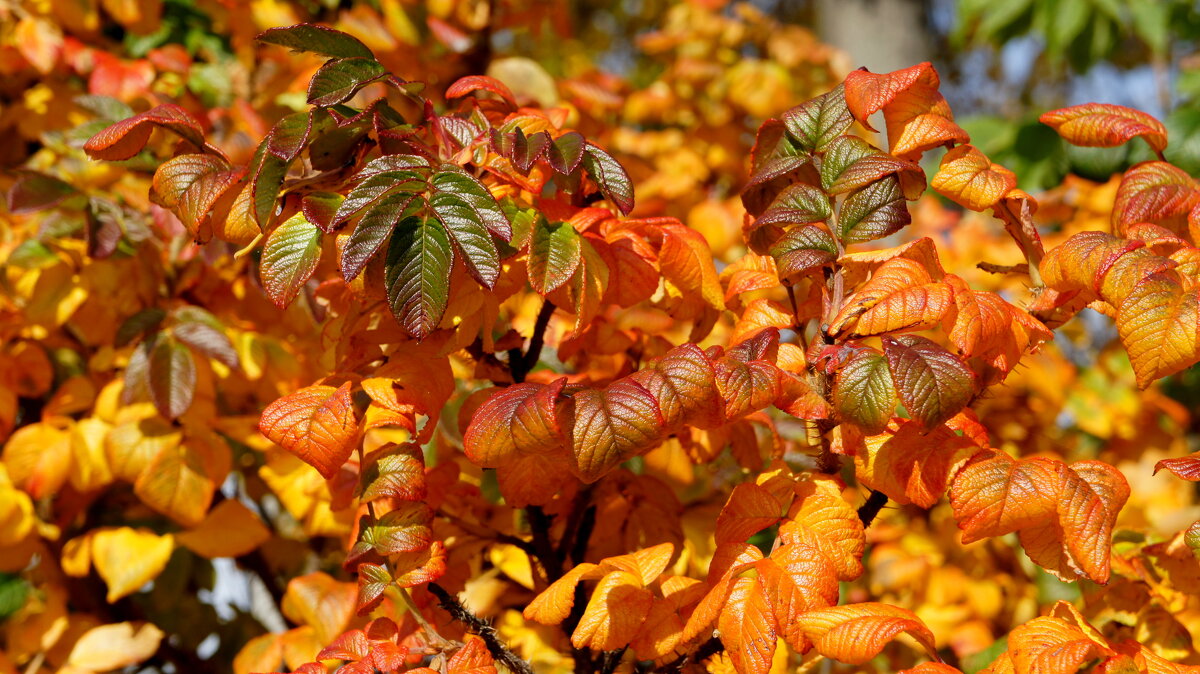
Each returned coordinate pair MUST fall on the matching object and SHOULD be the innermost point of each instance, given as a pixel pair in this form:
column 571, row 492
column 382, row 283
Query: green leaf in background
column 289, row 258
column 13, row 592
column 318, row 40
column 172, row 377
column 417, row 274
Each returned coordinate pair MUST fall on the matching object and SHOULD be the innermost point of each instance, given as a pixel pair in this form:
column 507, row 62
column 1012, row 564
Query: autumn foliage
column 468, row 381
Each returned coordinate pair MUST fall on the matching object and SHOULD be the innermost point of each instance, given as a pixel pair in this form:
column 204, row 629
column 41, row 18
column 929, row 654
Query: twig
column 487, row 534
column 706, row 650
column 520, row 365
column 869, row 510
column 478, row 626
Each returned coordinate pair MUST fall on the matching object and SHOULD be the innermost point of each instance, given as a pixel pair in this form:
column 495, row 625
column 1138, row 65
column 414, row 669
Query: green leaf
column 873, row 212
column 933, row 383
column 372, row 230
column 405, row 529
column 33, row 191
column 338, row 80
column 139, row 324
column 266, row 175
column 609, row 176
column 863, row 392
column 797, row 204
column 320, row 208
column 566, row 152
column 417, row 274
column 803, row 249
column 453, row 179
column 207, row 340
column 378, row 179
column 13, row 591
column 172, row 377
column 291, row 134
column 308, row 37
column 473, row 240
column 289, row 258
column 554, row 254
column 850, row 163
column 816, row 123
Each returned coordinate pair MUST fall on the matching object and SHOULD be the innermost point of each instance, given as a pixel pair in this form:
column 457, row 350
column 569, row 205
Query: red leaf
column 1105, row 125
column 127, row 137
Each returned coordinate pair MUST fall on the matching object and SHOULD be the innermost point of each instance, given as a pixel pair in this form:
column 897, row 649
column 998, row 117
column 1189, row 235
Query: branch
column 519, row 364
column 869, row 510
column 707, row 650
column 480, row 627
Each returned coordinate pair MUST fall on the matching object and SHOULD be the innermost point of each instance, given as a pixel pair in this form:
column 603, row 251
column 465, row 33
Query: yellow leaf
column 129, row 558
column 132, row 445
column 16, row 512
column 263, row 653
column 38, row 457
column 229, row 530
column 89, row 465
column 319, row 601
column 179, row 482
column 114, row 646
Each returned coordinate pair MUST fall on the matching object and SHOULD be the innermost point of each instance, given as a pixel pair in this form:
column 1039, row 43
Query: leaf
column 748, row 626
column 320, row 208
column 395, row 472
column 609, row 176
column 229, row 530
column 911, row 464
column 1065, row 514
column 129, row 558
column 38, row 457
column 521, row 418
column 983, row 325
column 318, row 39
column 856, row 633
column 933, row 384
column 614, row 614
column 108, row 647
column 207, row 340
column 1153, row 191
column 817, row 122
column 750, row 509
column 798, row 204
column 126, row 138
column 1183, row 467
column 555, row 251
column 405, row 529
column 316, row 423
column 469, row 212
column 290, row 258
column 612, row 425
column 172, row 377
column 33, row 191
column 472, row 83
column 970, row 179
column 873, row 212
column 554, row 604
column 339, row 79
column 850, row 163
column 803, row 249
column 319, row 601
column 863, row 392
column 566, row 152
column 917, row 116
column 373, row 229
column 821, row 518
column 1048, row 644
column 380, row 178
column 417, row 275
column 686, row 260
column 180, row 481
column 900, row 295
column 1105, row 125
column 1159, row 326
column 291, row 135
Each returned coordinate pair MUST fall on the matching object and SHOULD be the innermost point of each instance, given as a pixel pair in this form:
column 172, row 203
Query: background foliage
column 147, row 524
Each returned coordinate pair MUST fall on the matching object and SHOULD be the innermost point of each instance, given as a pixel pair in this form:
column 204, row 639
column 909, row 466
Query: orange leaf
column 520, row 418
column 553, row 605
column 750, row 509
column 1185, row 467
column 1159, row 325
column 319, row 601
column 910, row 290
column 614, row 614
column 821, row 518
column 856, row 633
column 970, row 179
column 917, row 116
column 1156, row 192
column 911, row 464
column 1105, row 125
column 749, row 629
column 1049, row 645
column 316, row 423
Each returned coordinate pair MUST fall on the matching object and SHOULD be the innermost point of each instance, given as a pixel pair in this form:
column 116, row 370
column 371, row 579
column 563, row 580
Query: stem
column 487, row 534
column 706, row 650
column 476, row 625
column 416, row 614
column 520, row 365
column 869, row 510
